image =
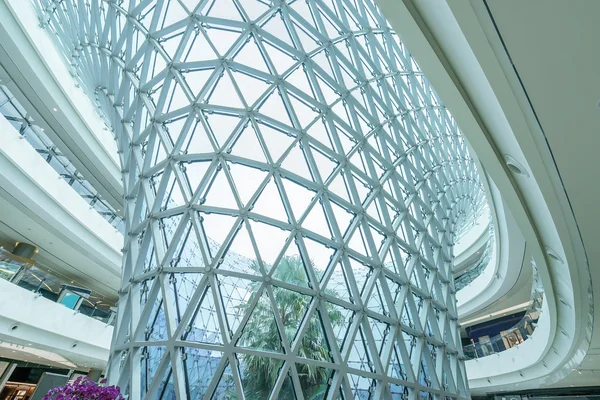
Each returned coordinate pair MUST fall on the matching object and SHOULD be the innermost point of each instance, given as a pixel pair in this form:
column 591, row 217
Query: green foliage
column 261, row 332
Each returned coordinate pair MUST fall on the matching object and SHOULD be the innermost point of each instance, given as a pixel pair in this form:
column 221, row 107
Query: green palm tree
column 261, row 332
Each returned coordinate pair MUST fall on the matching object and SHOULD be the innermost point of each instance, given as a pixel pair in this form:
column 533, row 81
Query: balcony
column 25, row 273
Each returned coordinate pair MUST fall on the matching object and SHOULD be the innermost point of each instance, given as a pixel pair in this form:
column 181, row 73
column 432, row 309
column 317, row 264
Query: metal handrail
column 18, row 116
column 514, row 336
column 466, row 278
column 27, row 274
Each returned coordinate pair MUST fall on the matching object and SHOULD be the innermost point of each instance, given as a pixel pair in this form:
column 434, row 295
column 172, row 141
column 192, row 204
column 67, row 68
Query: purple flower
column 84, row 389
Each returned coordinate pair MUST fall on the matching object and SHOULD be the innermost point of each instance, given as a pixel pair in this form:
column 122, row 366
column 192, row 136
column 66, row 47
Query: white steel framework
column 293, row 188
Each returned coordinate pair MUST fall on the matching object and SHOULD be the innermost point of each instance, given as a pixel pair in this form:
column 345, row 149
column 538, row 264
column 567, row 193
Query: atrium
column 299, row 199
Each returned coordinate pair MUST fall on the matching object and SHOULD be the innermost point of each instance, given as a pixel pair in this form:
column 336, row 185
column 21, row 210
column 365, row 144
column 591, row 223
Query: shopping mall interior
column 300, row 199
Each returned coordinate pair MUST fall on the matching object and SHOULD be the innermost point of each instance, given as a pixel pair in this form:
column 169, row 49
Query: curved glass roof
column 293, row 187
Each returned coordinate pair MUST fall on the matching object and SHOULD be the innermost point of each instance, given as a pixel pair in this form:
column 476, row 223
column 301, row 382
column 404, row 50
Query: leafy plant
column 261, row 332
column 84, row 389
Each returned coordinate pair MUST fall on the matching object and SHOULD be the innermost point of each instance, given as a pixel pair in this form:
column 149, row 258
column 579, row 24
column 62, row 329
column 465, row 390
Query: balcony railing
column 504, row 341
column 479, row 266
column 515, row 335
column 16, row 114
column 25, row 273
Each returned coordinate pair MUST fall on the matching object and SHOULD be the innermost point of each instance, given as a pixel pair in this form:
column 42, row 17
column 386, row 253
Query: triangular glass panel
column 269, row 203
column 150, row 360
column 226, row 388
column 377, row 301
column 150, row 259
column 253, row 8
column 343, row 217
column 177, row 98
column 324, row 164
column 270, row 241
column 316, row 221
column 251, row 88
column 174, row 196
column 222, row 127
column 187, row 285
column 250, row 55
column 398, row 392
column 157, row 324
column 224, row 9
column 235, row 294
column 360, row 272
column 274, row 108
column 295, row 162
column 299, row 79
column 276, row 141
column 309, row 42
column 169, row 227
column 197, row 79
column 330, row 94
column 291, row 305
column 200, row 368
column 357, row 241
column 240, row 255
column 303, row 112
column 319, row 255
column 223, row 39
column 198, row 140
column 338, row 284
column 337, row 185
column 247, row 181
column 280, row 59
column 167, row 388
column 276, row 27
column 217, row 228
column 204, row 325
column 176, row 128
column 225, row 93
column 261, row 331
column 219, row 193
column 424, row 373
column 319, row 131
column 314, row 344
column 195, row 173
column 259, row 375
column 397, row 369
column 298, row 196
column 381, row 333
column 341, row 319
column 360, row 357
column 291, row 270
column 361, row 386
column 315, row 381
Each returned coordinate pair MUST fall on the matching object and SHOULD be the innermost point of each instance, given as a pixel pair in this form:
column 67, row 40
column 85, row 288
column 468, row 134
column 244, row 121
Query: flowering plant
column 84, row 389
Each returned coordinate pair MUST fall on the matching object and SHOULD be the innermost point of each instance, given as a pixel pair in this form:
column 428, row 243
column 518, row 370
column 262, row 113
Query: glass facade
column 293, row 189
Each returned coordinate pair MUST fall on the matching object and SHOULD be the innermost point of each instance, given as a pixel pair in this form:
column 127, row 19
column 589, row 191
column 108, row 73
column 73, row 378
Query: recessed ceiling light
column 55, row 109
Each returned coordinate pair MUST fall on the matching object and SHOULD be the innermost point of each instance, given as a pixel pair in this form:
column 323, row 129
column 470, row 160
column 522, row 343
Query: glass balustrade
column 514, row 336
column 466, row 278
column 18, row 116
column 55, row 287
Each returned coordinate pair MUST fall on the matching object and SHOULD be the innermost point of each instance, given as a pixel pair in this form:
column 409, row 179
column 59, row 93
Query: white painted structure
column 460, row 56
column 45, row 332
column 46, row 212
